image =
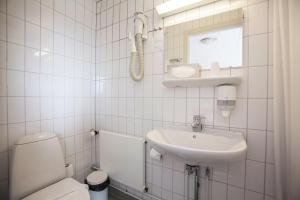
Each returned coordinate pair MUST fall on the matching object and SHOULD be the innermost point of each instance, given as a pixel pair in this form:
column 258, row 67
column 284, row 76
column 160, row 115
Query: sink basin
column 208, row 147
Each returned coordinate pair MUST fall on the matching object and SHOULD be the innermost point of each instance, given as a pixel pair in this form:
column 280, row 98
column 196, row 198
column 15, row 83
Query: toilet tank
column 37, row 162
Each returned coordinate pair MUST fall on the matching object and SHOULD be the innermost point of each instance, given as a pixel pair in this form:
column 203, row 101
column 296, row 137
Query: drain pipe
column 196, row 169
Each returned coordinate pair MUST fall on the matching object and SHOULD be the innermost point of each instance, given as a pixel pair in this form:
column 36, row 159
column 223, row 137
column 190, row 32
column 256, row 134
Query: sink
column 210, row 146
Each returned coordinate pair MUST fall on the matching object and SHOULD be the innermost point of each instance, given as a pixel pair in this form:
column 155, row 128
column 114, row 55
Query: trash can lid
column 96, row 177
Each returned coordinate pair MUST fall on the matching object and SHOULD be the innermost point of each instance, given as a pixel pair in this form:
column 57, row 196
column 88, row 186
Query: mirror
column 220, row 47
column 215, row 40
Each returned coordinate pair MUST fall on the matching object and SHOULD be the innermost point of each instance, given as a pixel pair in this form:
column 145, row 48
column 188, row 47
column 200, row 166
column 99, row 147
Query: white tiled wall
column 47, row 67
column 134, row 108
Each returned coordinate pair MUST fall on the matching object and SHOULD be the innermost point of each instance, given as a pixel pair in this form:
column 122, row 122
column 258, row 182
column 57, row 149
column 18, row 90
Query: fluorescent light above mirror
column 175, row 6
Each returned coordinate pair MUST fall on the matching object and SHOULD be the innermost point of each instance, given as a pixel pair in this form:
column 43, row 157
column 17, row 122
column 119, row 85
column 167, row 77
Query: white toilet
column 38, row 171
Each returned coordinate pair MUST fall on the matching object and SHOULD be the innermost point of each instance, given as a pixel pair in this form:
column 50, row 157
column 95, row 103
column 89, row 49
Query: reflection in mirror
column 212, row 42
column 221, row 47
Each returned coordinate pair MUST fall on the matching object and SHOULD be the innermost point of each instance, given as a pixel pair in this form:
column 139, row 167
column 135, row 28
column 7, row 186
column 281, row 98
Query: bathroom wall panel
column 150, row 105
column 47, row 61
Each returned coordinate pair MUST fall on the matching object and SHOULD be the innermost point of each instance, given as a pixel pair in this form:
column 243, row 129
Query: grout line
column 6, row 74
column 40, row 63
column 24, row 67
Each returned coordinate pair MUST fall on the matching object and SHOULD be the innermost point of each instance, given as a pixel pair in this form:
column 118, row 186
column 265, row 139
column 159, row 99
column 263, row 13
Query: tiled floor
column 114, row 194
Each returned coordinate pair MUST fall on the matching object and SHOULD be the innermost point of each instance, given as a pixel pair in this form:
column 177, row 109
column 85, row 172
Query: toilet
column 38, row 171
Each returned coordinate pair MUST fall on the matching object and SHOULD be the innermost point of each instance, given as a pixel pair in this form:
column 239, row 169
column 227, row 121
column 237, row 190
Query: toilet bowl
column 38, row 171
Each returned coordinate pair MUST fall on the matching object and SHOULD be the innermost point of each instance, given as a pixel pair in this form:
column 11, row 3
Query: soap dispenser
column 226, row 99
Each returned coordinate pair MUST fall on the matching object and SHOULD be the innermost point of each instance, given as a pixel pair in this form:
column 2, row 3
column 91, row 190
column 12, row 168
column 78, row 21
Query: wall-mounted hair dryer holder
column 137, row 47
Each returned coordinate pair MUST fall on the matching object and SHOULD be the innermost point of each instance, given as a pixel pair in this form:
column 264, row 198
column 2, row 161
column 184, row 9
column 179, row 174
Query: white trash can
column 98, row 182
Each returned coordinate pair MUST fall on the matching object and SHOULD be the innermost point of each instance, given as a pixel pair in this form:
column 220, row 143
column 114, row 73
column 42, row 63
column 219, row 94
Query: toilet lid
column 96, row 177
column 66, row 189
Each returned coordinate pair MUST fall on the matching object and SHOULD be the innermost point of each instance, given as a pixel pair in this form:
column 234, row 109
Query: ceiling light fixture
column 175, row 6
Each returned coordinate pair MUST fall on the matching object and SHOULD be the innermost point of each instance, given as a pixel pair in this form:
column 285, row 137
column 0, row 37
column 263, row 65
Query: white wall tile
column 207, row 109
column 70, row 8
column 47, row 17
column 32, row 61
column 46, row 108
column 178, row 182
column 257, row 114
column 59, row 22
column 3, row 85
column 16, row 8
column 33, row 35
column 258, row 50
column 46, row 40
column 4, row 138
column 235, row 193
column 3, row 109
column 255, row 173
column 46, row 85
column 32, row 108
column 193, row 108
column 15, row 83
column 3, row 26
column 32, row 11
column 59, row 5
column 258, row 18
column 15, row 30
column 256, row 141
column 59, row 44
column 116, row 13
column 157, row 175
column 168, row 109
column 250, row 195
column 236, row 173
column 238, row 118
column 33, row 127
column 15, row 132
column 180, row 110
column 258, row 82
column 15, row 56
column 16, row 109
column 219, row 191
column 3, row 54
column 220, row 172
column 47, row 64
column 32, row 84
column 49, row 3
column 123, row 10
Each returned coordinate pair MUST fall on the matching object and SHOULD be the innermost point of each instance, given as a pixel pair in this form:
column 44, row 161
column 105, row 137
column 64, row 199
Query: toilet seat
column 66, row 189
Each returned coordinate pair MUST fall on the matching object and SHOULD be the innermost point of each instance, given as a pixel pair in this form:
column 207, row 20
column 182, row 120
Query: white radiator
column 123, row 158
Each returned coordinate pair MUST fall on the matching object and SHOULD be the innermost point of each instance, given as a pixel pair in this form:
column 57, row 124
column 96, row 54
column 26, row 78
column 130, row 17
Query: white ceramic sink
column 209, row 147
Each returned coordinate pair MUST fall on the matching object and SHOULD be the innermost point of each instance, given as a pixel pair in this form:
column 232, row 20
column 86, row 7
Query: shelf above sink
column 196, row 82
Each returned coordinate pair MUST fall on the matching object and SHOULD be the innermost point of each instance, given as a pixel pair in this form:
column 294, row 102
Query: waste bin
column 98, row 182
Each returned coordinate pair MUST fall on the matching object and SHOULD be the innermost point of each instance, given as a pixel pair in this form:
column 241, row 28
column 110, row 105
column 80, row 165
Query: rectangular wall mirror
column 215, row 40
column 223, row 47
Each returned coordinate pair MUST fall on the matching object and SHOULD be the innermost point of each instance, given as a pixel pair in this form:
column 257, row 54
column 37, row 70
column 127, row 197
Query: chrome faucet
column 197, row 123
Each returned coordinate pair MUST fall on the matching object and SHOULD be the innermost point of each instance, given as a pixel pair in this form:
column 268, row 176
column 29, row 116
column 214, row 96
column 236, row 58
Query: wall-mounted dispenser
column 226, row 99
column 137, row 48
